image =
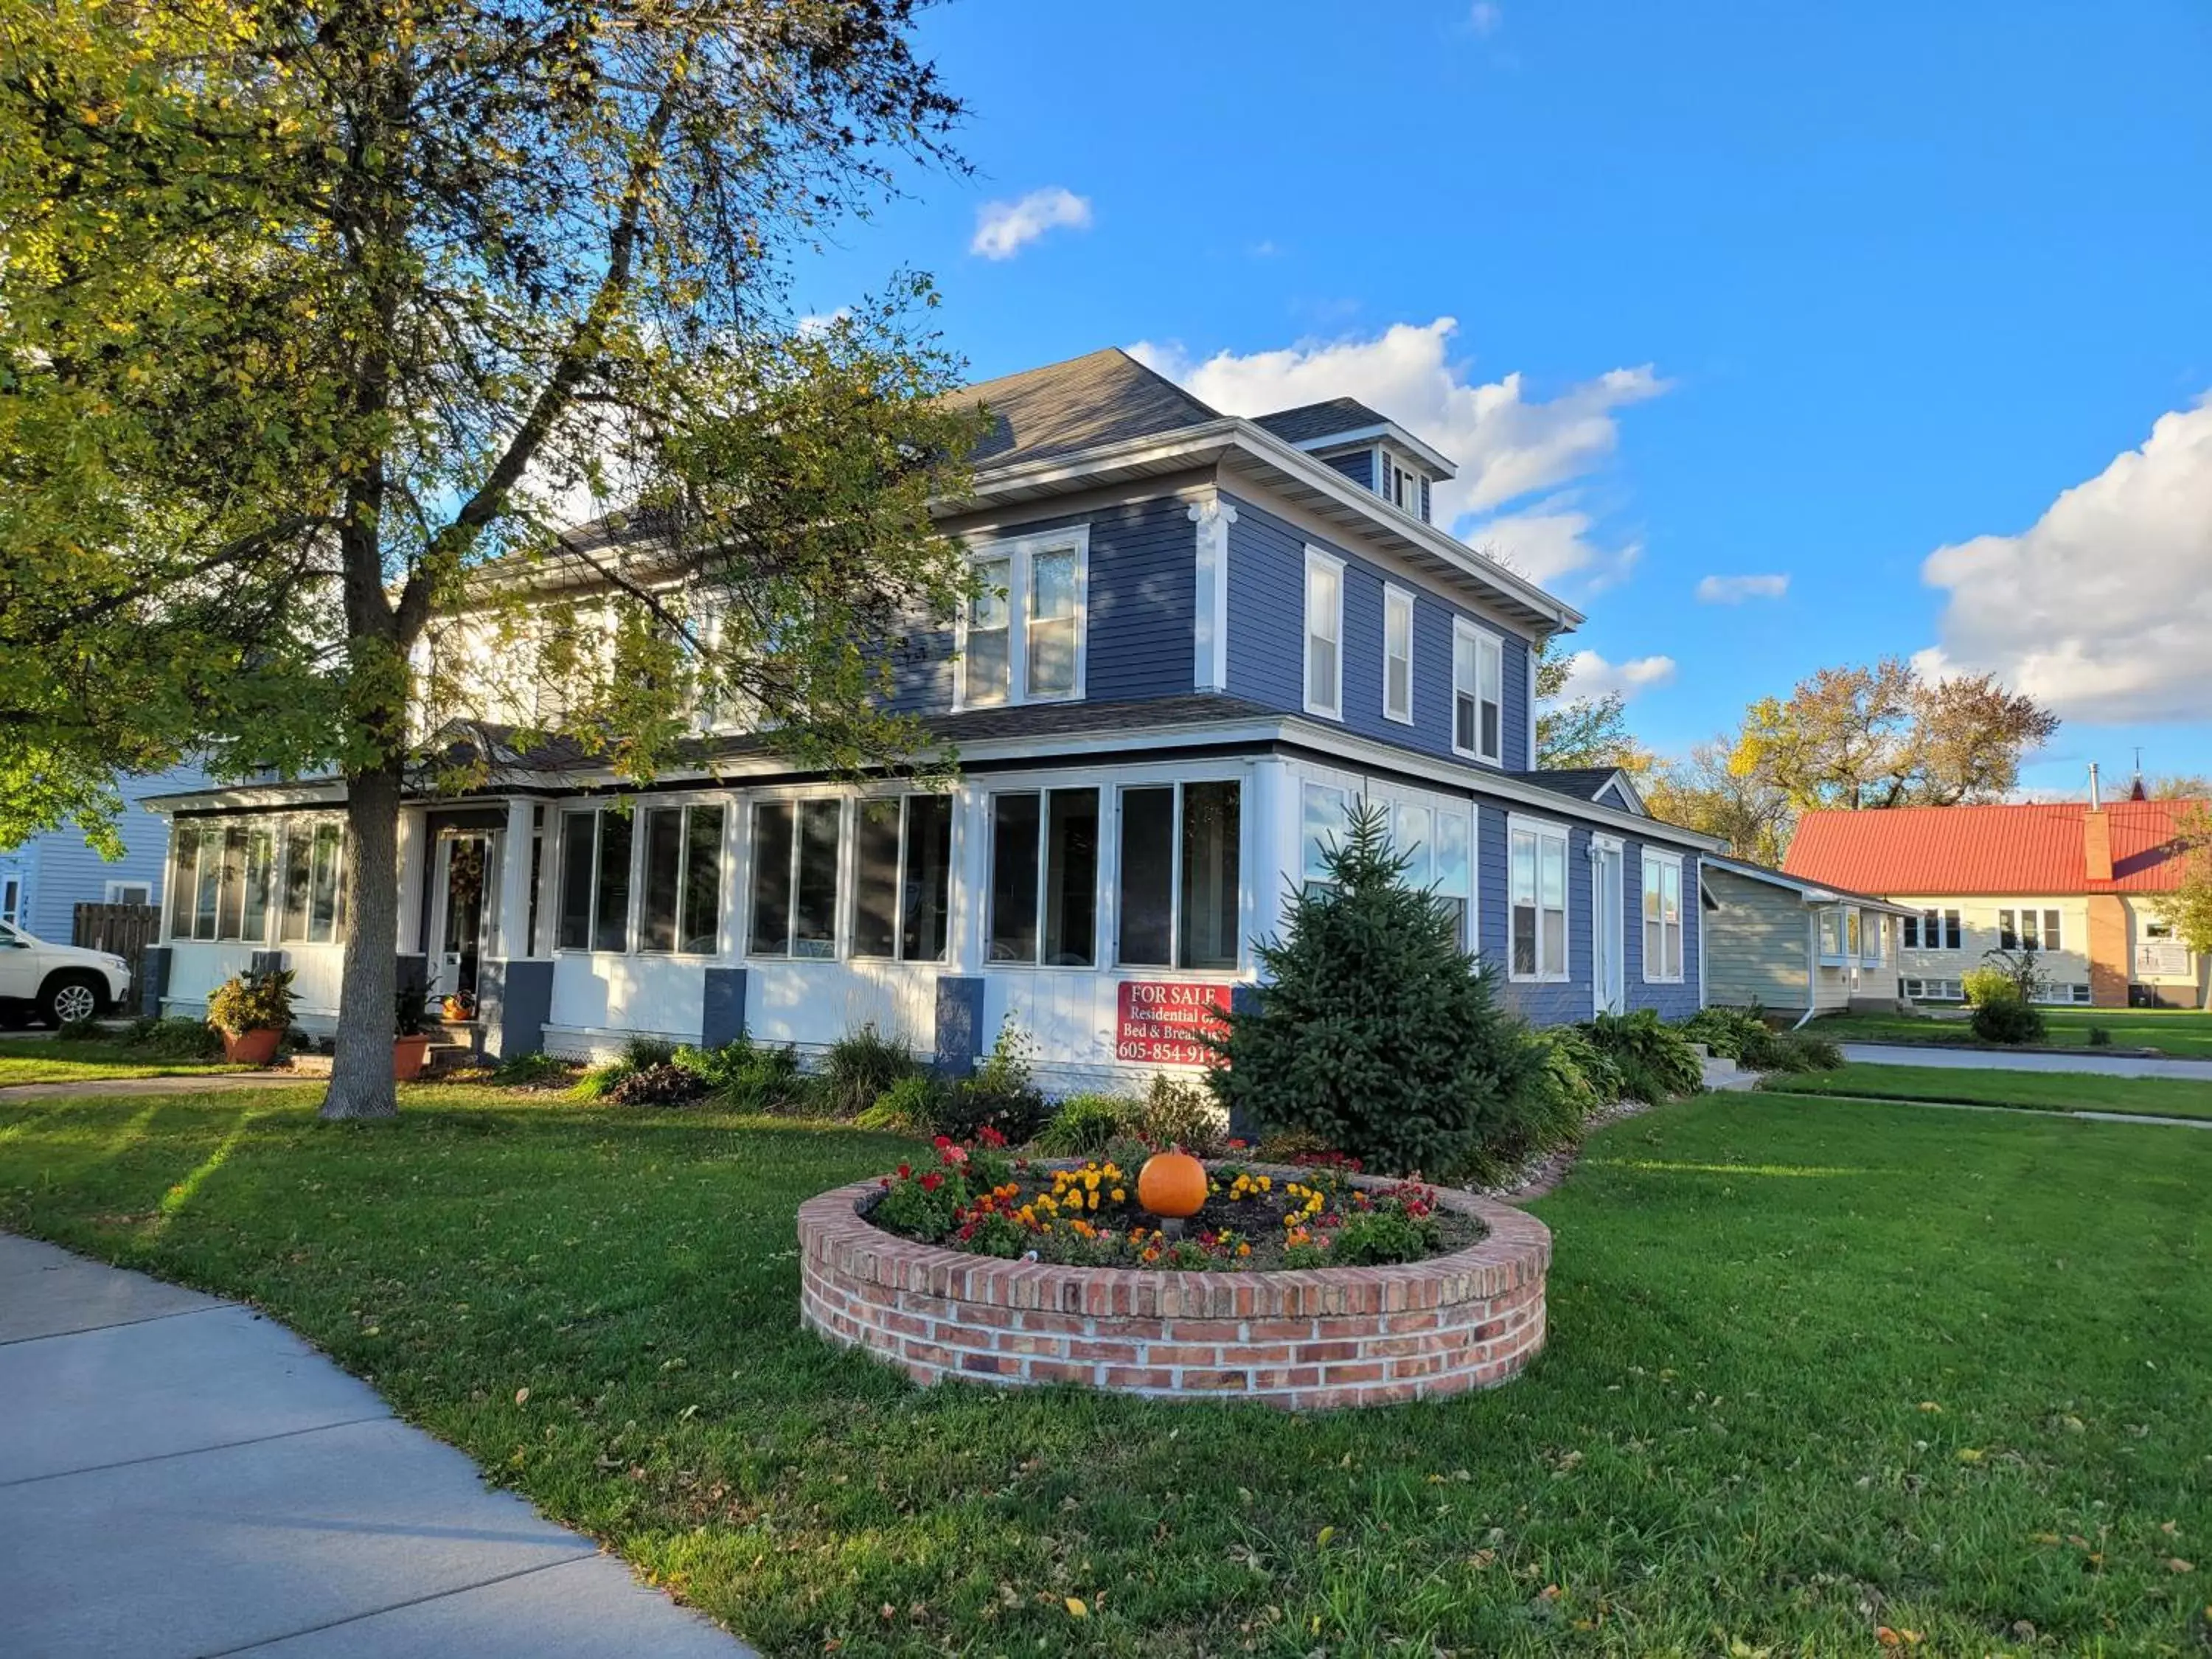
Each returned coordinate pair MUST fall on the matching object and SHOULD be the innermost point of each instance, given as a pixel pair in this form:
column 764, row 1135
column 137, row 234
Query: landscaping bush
column 1374, row 1032
column 1984, row 983
column 2099, row 1037
column 764, row 1080
column 2006, row 1010
column 87, row 1030
column 1800, row 1051
column 858, row 1068
column 909, row 1106
column 2008, row 1020
column 1655, row 1059
column 175, row 1038
column 258, row 1000
column 532, row 1071
column 1177, row 1114
column 641, row 1052
column 1000, row 1096
column 1732, row 1033
column 665, row 1084
column 1085, row 1124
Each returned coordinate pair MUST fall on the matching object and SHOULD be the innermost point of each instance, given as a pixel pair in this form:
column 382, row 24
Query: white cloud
column 1508, row 446
column 1005, row 229
column 1735, row 590
column 1485, row 18
column 2102, row 609
column 1590, row 675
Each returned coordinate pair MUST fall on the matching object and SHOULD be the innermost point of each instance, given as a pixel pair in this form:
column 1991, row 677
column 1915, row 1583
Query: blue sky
column 1777, row 291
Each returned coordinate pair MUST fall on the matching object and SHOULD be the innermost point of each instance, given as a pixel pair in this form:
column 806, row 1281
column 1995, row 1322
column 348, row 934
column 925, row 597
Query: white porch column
column 514, row 939
column 1271, row 846
column 971, row 874
column 414, row 837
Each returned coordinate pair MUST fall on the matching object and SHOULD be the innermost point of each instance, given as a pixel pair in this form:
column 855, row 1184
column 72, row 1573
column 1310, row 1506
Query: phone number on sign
column 1161, row 1051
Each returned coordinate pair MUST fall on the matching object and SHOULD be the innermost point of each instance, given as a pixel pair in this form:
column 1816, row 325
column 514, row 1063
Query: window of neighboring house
column 314, row 884
column 796, row 849
column 184, row 878
column 681, row 907
column 1832, row 934
column 129, row 892
column 1663, row 916
column 1022, row 637
column 1953, row 932
column 1478, row 706
column 1398, row 655
column 1324, row 634
column 1044, row 877
column 2025, row 928
column 1871, row 927
column 1325, row 818
column 903, row 876
column 1182, row 890
column 1853, row 926
column 1537, row 855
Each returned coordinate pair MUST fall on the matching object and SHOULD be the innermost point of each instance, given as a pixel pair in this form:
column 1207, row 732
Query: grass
column 1811, row 1372
column 2185, row 1033
column 2044, row 1091
column 44, row 1060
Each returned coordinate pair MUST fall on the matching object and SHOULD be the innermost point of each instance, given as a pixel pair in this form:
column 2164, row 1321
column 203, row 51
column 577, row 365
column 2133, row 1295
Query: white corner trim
column 1210, row 646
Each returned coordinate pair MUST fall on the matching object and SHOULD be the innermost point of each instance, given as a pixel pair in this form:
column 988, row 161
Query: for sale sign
column 1162, row 1021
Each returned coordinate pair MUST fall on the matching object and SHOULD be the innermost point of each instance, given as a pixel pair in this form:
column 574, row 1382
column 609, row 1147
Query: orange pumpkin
column 1172, row 1184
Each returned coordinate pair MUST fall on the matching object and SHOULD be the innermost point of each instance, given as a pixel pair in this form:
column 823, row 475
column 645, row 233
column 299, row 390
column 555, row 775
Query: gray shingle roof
column 1323, row 420
column 1582, row 782
column 1101, row 398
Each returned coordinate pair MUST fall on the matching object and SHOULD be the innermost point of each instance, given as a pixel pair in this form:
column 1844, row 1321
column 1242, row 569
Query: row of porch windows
column 245, row 882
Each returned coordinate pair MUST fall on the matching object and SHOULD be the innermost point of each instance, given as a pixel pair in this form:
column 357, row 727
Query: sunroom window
column 902, row 870
column 796, row 846
column 682, row 906
column 595, row 854
column 1044, row 877
column 1182, row 890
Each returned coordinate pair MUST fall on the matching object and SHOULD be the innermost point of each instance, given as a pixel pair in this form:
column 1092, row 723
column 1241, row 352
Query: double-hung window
column 1478, row 694
column 1662, row 917
column 902, row 877
column 1455, row 874
column 1401, row 485
column 1832, row 934
column 1324, row 634
column 1433, row 841
column 1538, row 873
column 1021, row 634
column 2027, row 929
column 1181, row 891
column 1398, row 655
column 797, row 848
column 681, row 910
column 1044, row 877
column 595, row 858
column 1871, row 928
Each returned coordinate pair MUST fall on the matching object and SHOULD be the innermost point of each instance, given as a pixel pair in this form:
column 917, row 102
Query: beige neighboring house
column 1793, row 946
column 2083, row 884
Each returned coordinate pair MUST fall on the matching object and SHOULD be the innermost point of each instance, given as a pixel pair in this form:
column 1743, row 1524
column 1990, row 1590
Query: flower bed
column 1297, row 1336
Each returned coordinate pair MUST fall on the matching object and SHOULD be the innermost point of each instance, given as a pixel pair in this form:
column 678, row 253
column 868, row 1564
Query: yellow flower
column 1120, row 1196
column 1094, row 1198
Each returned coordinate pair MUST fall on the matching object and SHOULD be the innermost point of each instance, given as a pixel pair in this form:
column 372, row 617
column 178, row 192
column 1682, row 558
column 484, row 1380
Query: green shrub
column 1000, row 1095
column 1374, row 1032
column 2008, row 1019
column 1178, row 1113
column 641, row 1053
column 769, row 1082
column 595, row 1081
column 1732, row 1033
column 1655, row 1059
column 258, row 1000
column 1984, row 983
column 1083, row 1124
column 1800, row 1051
column 2099, row 1037
column 87, row 1030
column 858, row 1068
column 2005, row 1011
column 530, row 1070
column 908, row 1106
column 175, row 1038
column 665, row 1085
column 1381, row 1238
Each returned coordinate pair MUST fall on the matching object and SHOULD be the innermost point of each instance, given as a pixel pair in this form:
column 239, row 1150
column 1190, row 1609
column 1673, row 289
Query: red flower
column 931, row 1181
column 990, row 1137
column 942, row 1142
column 904, row 1170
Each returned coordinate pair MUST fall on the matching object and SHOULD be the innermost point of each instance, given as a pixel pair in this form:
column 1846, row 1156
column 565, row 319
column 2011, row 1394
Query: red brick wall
column 2110, row 964
column 1309, row 1341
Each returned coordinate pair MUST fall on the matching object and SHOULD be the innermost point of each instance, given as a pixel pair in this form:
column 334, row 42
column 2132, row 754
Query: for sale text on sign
column 1161, row 1022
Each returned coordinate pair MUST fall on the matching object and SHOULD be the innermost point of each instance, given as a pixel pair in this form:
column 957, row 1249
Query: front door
column 1608, row 953
column 465, row 911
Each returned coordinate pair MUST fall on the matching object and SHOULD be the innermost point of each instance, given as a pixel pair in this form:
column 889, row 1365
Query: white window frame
column 1542, row 829
column 849, row 879
column 1020, row 553
column 641, row 874
column 1116, row 884
column 840, row 902
column 632, row 904
column 1332, row 707
column 1872, row 926
column 1487, row 646
column 1656, row 863
column 1396, row 473
column 115, row 890
column 1100, row 909
column 1838, row 952
column 1398, row 602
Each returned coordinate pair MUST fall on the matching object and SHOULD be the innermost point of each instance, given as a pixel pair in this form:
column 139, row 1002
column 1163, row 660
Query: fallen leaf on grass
column 522, row 1396
column 1077, row 1608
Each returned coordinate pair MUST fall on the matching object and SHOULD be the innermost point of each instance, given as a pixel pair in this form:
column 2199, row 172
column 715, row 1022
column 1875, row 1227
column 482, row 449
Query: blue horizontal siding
column 1266, row 641
column 60, row 872
column 1359, row 466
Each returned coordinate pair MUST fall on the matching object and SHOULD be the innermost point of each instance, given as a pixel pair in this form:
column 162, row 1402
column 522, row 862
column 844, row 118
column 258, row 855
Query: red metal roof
column 2025, row 851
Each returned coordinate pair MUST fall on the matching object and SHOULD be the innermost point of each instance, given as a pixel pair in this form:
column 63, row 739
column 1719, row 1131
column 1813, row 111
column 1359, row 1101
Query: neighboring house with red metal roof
column 2082, row 883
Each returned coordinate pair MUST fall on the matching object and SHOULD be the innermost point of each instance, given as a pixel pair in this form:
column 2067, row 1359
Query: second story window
column 1398, row 655
column 1022, row 636
column 1324, row 634
column 1478, row 694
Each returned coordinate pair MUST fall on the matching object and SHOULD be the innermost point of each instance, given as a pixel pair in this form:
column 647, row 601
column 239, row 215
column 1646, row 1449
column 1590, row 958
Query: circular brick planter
column 1311, row 1340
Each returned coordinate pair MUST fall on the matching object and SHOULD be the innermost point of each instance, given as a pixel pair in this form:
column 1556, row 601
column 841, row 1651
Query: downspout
column 1812, row 968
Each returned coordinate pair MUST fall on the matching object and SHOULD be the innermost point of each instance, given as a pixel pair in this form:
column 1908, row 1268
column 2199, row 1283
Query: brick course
column 1308, row 1340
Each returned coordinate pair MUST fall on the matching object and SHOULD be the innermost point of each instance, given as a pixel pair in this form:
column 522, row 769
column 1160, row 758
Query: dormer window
column 1402, row 487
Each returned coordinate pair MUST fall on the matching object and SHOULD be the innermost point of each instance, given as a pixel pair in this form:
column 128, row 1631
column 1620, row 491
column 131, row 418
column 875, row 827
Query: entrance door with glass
column 465, row 912
column 1608, row 953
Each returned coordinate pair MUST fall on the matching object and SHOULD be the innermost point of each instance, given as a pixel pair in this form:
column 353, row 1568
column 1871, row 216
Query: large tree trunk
column 361, row 1076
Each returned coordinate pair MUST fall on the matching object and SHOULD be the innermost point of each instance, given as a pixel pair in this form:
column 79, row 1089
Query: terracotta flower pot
column 408, row 1056
column 251, row 1047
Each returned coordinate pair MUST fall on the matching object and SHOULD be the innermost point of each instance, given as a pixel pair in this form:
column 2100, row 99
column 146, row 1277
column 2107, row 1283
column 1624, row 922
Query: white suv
column 63, row 982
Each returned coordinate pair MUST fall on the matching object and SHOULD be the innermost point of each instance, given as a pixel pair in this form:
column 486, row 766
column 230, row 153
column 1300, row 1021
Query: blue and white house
column 1205, row 638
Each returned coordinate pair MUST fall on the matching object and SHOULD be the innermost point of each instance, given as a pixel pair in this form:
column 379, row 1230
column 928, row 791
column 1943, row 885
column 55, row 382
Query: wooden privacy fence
column 124, row 929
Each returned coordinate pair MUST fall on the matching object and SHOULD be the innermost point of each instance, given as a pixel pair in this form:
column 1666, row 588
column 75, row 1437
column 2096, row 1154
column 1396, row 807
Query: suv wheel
column 68, row 997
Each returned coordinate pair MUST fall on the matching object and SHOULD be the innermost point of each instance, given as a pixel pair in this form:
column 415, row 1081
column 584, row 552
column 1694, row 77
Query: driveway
column 179, row 1476
column 2027, row 1060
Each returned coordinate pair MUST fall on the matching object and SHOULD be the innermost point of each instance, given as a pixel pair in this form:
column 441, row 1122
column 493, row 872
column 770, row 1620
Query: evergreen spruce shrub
column 1373, row 1030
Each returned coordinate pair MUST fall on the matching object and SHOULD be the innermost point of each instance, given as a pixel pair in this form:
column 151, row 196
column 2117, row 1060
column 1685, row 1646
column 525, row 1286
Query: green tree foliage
column 2190, row 909
column 1372, row 1029
column 1579, row 730
column 316, row 316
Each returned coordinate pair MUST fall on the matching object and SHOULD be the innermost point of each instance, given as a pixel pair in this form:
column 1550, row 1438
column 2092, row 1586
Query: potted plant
column 410, row 1039
column 252, row 1010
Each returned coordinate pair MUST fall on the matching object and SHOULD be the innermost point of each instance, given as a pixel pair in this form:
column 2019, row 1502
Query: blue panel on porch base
column 1242, row 1000
column 153, row 980
column 412, row 971
column 515, row 998
column 267, row 961
column 722, row 1019
column 959, row 1024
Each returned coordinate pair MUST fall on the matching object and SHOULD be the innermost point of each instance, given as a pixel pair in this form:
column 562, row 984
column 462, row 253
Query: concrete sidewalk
column 2028, row 1059
column 179, row 1476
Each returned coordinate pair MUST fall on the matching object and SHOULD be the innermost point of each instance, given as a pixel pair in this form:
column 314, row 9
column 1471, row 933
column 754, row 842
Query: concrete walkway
column 179, row 1477
column 190, row 1083
column 2027, row 1060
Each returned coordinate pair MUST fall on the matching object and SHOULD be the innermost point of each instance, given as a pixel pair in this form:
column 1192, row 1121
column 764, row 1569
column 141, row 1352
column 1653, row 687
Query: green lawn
column 2180, row 1031
column 34, row 1059
column 2046, row 1091
column 1811, row 1370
